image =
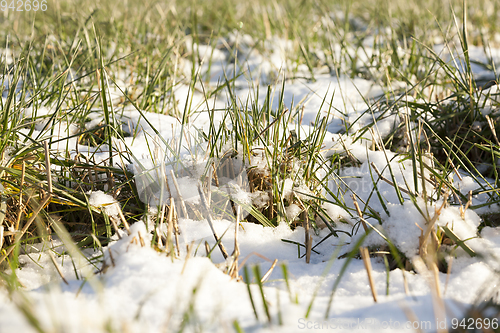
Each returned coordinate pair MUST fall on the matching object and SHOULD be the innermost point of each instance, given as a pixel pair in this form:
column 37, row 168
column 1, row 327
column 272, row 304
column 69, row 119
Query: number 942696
column 23, row 5
column 475, row 323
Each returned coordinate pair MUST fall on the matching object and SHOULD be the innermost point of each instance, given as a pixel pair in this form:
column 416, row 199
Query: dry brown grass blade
column 491, row 124
column 170, row 227
column 56, row 265
column 210, row 222
column 22, row 209
column 176, row 232
column 124, row 221
column 160, row 226
column 405, row 282
column 435, row 274
column 308, row 240
column 365, row 255
column 269, row 271
column 254, row 254
column 429, row 270
column 141, row 240
column 209, row 186
column 233, row 269
column 183, row 205
column 453, row 165
column 47, row 166
column 387, row 180
column 207, row 248
column 34, row 215
column 41, row 205
column 448, row 273
column 430, row 229
column 189, row 248
column 309, row 249
column 411, row 316
column 115, row 226
column 111, row 257
column 467, row 205
column 236, row 251
column 358, row 210
column 21, row 205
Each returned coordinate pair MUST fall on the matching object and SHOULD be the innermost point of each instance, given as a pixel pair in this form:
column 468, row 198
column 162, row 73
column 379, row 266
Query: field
column 289, row 166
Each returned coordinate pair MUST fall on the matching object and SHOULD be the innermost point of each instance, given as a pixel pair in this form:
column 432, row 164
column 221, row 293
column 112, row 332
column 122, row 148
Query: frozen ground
column 142, row 290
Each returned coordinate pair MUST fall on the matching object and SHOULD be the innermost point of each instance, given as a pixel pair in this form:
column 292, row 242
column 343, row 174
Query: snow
column 145, row 291
column 142, row 290
column 99, row 199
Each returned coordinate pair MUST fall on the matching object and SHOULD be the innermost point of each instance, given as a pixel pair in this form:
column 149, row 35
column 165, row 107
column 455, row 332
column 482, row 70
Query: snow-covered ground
column 143, row 290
